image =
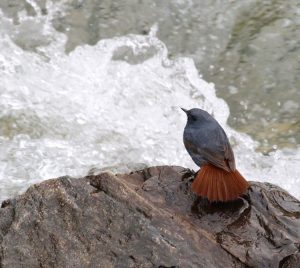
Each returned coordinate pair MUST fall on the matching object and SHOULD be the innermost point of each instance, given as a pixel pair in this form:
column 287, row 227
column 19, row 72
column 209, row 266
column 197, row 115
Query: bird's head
column 196, row 116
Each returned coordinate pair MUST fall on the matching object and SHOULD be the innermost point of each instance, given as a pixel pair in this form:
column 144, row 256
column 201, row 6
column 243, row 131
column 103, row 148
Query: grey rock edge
column 147, row 218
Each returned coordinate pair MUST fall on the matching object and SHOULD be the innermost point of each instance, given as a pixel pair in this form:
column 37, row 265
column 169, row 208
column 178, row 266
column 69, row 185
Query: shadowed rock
column 147, row 218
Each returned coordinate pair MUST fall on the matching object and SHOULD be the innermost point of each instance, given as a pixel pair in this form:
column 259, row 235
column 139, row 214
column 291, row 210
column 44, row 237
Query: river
column 99, row 83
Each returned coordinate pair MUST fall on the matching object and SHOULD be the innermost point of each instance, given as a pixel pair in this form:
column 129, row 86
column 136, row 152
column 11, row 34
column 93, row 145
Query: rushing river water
column 69, row 102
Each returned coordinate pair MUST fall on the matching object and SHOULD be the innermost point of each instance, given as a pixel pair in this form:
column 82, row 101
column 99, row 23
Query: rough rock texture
column 148, row 218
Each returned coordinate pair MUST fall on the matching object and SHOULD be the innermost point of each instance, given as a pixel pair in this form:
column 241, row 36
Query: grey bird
column 207, row 144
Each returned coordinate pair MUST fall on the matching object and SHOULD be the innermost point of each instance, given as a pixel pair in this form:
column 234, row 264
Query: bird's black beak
column 186, row 111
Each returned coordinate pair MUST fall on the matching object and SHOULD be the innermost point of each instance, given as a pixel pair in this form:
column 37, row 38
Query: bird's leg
column 187, row 173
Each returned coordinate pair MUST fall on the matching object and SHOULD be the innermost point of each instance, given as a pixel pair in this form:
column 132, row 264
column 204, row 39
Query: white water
column 64, row 114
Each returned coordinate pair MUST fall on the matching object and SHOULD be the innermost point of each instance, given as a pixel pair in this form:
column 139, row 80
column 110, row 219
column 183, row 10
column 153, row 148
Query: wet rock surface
column 148, row 218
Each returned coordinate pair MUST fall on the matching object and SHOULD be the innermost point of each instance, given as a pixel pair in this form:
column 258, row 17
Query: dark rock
column 148, row 218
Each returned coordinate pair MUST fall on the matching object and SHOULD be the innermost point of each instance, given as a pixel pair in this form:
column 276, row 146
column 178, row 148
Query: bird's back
column 206, row 142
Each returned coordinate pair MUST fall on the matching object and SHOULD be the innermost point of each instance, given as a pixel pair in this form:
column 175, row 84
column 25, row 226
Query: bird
column 207, row 143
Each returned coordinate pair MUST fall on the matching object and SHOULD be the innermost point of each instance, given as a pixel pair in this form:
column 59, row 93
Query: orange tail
column 219, row 185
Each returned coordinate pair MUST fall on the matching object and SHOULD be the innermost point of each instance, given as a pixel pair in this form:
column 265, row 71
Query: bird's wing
column 215, row 148
column 229, row 156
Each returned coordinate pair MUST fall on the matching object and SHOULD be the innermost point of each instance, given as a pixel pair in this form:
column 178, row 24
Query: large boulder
column 147, row 218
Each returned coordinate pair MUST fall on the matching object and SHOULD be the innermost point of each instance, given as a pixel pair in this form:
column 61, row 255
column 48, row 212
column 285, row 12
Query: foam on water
column 113, row 103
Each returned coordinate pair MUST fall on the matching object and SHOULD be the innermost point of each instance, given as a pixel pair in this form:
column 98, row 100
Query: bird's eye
column 193, row 118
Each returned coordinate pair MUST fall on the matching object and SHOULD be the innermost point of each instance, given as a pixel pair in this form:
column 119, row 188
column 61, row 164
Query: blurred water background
column 98, row 83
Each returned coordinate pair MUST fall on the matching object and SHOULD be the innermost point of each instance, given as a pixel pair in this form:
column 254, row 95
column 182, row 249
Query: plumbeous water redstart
column 207, row 144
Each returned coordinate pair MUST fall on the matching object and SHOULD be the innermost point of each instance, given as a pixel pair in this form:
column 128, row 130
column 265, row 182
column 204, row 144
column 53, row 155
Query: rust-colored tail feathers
column 219, row 185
